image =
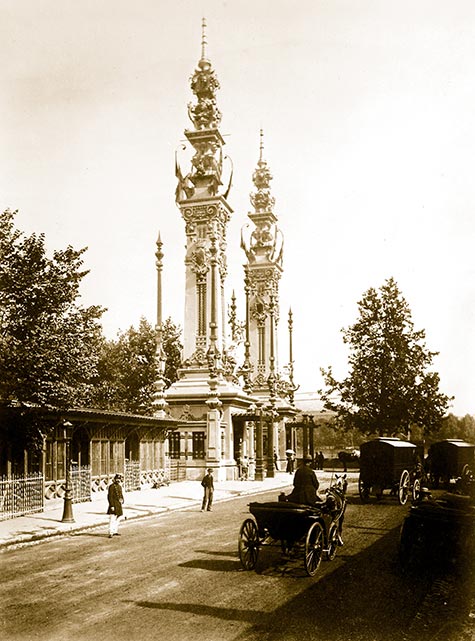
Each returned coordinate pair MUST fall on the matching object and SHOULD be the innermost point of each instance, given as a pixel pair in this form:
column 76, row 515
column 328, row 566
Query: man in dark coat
column 305, row 484
column 115, row 499
column 208, row 487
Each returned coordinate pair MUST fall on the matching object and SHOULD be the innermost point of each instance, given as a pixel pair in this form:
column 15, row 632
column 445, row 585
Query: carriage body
column 450, row 459
column 388, row 463
column 439, row 532
column 285, row 521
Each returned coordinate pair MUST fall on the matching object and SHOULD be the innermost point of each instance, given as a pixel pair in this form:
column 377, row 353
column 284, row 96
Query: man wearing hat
column 115, row 498
column 208, row 487
column 305, row 484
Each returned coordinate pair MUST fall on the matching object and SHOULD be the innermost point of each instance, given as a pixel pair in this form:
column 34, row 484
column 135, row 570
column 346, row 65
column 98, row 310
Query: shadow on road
column 354, row 598
column 213, row 565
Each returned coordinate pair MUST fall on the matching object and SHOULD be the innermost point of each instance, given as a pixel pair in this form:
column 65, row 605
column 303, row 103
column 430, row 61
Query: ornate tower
column 207, row 396
column 263, row 246
column 206, row 214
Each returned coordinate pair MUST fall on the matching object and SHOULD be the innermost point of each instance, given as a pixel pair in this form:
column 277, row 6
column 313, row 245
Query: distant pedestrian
column 208, row 490
column 115, row 498
column 321, row 460
column 276, row 461
column 245, row 469
column 290, row 463
column 239, row 466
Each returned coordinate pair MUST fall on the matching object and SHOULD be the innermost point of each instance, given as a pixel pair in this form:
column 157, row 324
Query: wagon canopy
column 449, row 457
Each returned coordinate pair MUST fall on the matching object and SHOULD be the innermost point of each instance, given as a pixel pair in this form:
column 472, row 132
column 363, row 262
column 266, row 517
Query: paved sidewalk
column 142, row 503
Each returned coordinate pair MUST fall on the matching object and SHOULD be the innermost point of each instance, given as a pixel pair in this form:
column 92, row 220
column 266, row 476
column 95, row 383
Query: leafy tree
column 48, row 342
column 128, row 367
column 455, row 427
column 389, row 387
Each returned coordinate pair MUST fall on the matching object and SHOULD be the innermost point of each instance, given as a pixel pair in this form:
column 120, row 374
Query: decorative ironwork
column 20, row 495
column 131, row 476
column 81, row 482
column 154, row 478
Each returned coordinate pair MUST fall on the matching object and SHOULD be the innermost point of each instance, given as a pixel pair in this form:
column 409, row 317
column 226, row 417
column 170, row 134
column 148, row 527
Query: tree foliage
column 389, row 386
column 48, row 342
column 128, row 367
column 456, row 427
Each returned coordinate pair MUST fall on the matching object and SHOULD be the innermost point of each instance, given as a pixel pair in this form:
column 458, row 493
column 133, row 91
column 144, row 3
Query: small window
column 199, row 445
column 174, row 444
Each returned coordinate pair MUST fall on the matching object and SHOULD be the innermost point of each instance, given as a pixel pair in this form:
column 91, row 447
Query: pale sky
column 368, row 111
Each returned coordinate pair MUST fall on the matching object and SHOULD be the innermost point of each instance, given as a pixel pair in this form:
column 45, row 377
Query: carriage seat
column 287, row 500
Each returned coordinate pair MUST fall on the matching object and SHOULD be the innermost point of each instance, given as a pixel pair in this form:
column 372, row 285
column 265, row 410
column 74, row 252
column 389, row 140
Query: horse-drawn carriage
column 389, row 463
column 314, row 530
column 450, row 459
column 439, row 532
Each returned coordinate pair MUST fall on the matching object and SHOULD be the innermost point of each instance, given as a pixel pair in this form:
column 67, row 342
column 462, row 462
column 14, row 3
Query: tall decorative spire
column 203, row 39
column 262, row 241
column 204, row 84
column 159, row 399
column 204, row 178
column 206, row 213
column 265, row 243
column 262, row 200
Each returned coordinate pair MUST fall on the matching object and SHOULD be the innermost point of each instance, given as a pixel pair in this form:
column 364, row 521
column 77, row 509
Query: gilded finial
column 261, row 147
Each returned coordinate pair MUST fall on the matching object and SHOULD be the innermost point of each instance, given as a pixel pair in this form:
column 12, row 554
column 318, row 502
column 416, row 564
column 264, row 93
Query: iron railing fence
column 81, row 483
column 132, row 476
column 20, row 495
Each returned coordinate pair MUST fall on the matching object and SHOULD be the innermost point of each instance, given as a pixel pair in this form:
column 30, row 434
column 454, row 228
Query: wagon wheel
column 404, row 484
column 466, row 472
column 466, row 478
column 332, row 542
column 363, row 489
column 248, row 544
column 416, row 490
column 314, row 548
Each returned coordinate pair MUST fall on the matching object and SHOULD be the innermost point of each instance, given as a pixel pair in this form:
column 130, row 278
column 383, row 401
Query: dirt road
column 178, row 577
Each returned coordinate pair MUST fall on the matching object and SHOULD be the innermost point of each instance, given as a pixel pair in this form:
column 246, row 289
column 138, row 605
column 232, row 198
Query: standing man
column 290, row 463
column 115, row 499
column 208, row 487
column 321, row 460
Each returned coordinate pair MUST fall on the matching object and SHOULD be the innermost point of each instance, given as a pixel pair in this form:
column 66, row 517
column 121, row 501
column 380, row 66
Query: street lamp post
column 68, row 491
column 259, row 444
column 270, row 443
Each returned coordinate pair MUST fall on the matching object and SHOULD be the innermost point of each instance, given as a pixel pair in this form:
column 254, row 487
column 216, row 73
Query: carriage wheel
column 363, row 489
column 416, row 490
column 248, row 544
column 332, row 542
column 403, row 491
column 314, row 548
